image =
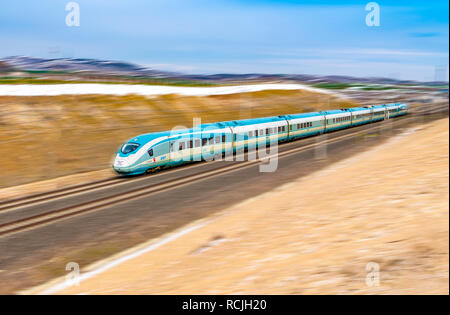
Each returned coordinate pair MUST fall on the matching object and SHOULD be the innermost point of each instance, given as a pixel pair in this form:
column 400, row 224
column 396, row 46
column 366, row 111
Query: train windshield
column 129, row 147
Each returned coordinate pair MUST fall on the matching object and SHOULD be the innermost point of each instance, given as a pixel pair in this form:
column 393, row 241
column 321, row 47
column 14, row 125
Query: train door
column 175, row 150
column 233, row 139
column 228, row 145
column 268, row 132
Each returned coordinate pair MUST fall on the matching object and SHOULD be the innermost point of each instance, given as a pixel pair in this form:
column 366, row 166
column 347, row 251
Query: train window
column 261, row 132
column 224, row 138
column 250, row 134
column 283, row 128
column 197, row 143
column 190, row 144
column 256, row 133
column 150, row 152
column 171, row 147
column 204, row 141
column 211, row 140
column 181, row 146
column 129, row 147
column 218, row 139
column 267, row 131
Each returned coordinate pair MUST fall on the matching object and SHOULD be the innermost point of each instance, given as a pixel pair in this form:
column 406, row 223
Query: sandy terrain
column 387, row 207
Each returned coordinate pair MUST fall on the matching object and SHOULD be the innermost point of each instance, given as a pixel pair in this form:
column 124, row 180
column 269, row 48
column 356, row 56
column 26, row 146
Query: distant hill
column 5, row 67
column 80, row 65
column 120, row 68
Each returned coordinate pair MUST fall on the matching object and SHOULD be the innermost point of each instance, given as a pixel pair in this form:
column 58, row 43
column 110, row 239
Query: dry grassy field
column 51, row 136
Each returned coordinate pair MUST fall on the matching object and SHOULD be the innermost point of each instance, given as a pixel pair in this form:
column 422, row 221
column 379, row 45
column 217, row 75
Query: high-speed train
column 157, row 150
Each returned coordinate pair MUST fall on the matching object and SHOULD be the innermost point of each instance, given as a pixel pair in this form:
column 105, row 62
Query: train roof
column 252, row 121
column 361, row 108
column 144, row 138
column 302, row 115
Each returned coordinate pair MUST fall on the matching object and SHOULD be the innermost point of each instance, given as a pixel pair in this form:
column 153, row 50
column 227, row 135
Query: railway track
column 33, row 221
column 11, row 204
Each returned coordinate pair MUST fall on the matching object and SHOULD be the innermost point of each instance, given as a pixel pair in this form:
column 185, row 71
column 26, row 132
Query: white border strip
column 146, row 90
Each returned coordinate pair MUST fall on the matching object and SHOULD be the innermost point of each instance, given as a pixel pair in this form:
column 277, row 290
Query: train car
column 337, row 119
column 304, row 125
column 249, row 132
column 361, row 115
column 153, row 151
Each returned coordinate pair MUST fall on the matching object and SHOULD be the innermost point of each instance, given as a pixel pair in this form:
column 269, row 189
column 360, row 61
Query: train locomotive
column 153, row 151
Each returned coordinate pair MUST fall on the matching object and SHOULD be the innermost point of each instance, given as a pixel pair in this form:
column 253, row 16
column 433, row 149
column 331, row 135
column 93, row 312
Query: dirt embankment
column 50, row 136
column 387, row 208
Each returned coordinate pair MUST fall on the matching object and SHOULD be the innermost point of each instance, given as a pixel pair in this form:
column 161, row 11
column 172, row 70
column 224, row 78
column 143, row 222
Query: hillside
column 50, row 136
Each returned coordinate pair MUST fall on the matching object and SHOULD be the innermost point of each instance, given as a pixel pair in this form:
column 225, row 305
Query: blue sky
column 198, row 36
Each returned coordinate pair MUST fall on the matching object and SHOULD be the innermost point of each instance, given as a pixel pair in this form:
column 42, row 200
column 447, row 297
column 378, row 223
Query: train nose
column 120, row 162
